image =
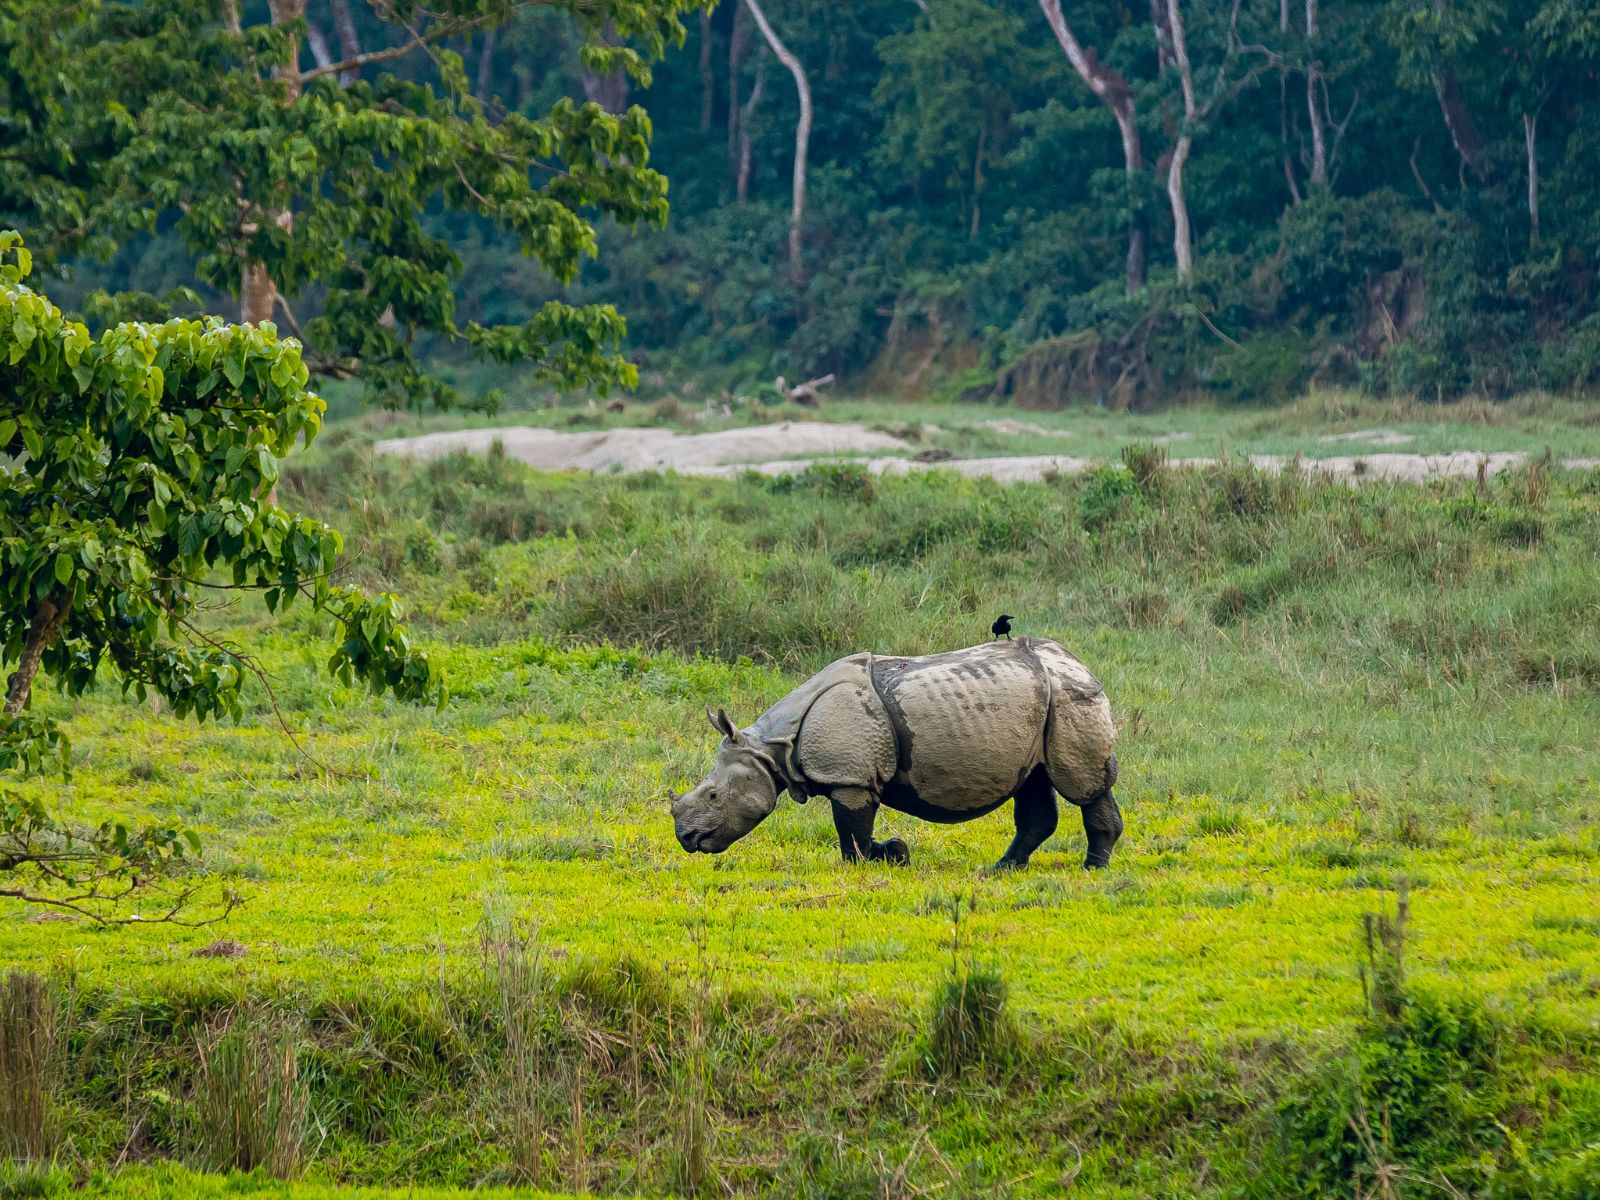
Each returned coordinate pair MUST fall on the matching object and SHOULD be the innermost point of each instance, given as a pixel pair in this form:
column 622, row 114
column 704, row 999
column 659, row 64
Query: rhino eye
column 713, row 793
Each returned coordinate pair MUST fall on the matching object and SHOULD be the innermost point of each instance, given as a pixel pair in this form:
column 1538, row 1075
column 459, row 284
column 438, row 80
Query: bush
column 1109, row 491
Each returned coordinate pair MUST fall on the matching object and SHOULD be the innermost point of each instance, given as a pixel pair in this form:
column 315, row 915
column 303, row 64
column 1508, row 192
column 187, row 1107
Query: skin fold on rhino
column 944, row 737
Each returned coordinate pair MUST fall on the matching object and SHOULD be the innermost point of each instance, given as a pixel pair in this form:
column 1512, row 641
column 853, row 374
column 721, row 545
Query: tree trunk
column 1458, row 120
column 258, row 294
column 708, row 79
column 1115, row 94
column 738, row 37
column 1283, row 110
column 349, row 39
column 609, row 91
column 486, row 66
column 48, row 617
column 746, row 116
column 802, row 138
column 977, row 180
column 1530, row 129
column 1182, row 242
column 1319, row 135
column 318, row 45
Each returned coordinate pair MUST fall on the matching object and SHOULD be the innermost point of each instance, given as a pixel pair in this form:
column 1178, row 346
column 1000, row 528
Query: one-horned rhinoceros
column 945, row 737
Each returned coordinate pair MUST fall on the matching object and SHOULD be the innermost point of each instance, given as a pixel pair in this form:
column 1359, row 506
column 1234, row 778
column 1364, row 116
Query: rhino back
column 969, row 724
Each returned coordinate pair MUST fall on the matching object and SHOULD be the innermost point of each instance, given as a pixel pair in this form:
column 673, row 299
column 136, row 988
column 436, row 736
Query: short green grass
column 1322, row 692
column 171, row 1182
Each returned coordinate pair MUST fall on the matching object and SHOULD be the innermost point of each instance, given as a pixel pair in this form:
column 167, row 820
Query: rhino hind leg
column 854, row 812
column 1102, row 824
column 1035, row 812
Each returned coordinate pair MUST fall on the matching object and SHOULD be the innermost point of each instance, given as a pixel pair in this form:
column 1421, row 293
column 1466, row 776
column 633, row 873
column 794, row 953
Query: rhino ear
column 719, row 722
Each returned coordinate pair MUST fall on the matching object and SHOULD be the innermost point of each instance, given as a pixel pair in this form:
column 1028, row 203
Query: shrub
column 1147, row 462
column 1108, row 492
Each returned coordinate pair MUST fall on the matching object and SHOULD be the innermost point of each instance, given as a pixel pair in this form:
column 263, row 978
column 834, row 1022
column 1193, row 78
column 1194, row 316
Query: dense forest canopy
column 1044, row 200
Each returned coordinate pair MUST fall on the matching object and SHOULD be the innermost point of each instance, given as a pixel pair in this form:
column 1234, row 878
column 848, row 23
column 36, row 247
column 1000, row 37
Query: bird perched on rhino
column 943, row 737
column 1002, row 625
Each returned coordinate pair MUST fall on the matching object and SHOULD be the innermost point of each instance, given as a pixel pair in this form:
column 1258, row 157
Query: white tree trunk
column 737, row 36
column 707, row 77
column 1182, row 242
column 1530, row 130
column 1314, row 108
column 349, row 39
column 802, row 137
column 1115, row 94
column 486, row 66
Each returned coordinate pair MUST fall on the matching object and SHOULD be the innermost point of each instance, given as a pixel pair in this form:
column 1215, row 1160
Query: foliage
column 282, row 180
column 50, row 861
column 140, row 467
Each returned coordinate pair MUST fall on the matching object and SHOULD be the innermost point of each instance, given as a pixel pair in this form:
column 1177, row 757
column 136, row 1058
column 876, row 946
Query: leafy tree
column 290, row 181
column 135, row 473
column 947, row 97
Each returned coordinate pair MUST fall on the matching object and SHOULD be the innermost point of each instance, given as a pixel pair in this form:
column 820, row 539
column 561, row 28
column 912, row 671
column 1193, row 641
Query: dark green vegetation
column 477, row 956
column 1397, row 195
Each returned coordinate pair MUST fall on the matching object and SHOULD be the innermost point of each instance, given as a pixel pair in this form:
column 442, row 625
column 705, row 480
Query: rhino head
column 738, row 795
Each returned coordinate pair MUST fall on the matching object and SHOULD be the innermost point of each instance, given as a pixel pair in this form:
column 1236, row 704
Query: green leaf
column 64, row 568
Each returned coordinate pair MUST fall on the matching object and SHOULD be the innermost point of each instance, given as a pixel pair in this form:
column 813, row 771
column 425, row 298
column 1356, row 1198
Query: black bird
column 1002, row 625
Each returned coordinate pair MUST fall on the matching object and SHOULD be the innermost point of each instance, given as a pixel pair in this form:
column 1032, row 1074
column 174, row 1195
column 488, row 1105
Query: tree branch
column 419, row 41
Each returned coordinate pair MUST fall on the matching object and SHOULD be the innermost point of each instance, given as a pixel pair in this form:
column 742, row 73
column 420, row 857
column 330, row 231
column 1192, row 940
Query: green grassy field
column 1323, row 693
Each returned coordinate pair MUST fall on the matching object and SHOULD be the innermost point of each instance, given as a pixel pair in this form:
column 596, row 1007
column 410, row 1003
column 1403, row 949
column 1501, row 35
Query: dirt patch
column 224, row 948
column 652, row 449
column 795, row 445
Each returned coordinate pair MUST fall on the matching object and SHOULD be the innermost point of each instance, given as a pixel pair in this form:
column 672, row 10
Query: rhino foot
column 893, row 851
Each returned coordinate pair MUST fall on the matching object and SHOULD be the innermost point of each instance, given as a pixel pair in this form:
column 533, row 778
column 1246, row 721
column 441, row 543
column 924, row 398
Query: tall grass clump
column 251, row 1104
column 514, row 1084
column 31, row 1052
column 969, row 1025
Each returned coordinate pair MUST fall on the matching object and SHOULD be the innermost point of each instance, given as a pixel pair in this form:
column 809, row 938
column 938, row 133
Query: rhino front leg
column 855, row 810
column 1102, row 823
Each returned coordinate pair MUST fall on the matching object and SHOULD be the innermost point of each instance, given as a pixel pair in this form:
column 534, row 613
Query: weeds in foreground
column 31, row 1043
column 688, row 1167
column 514, row 1082
column 970, row 1025
column 251, row 1103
